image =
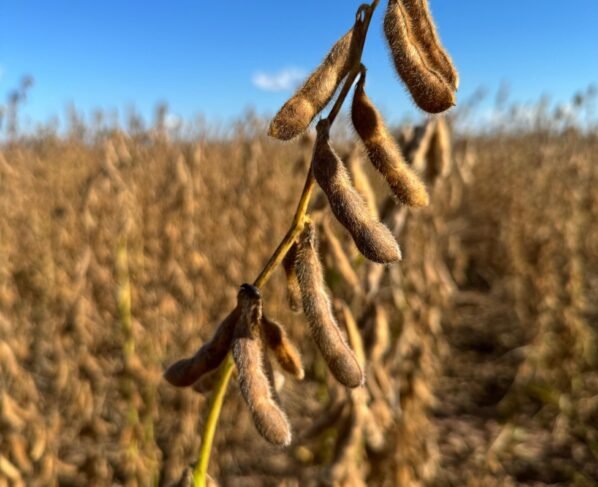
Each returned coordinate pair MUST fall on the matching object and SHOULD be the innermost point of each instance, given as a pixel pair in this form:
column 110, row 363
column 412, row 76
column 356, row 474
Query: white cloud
column 284, row 80
column 172, row 121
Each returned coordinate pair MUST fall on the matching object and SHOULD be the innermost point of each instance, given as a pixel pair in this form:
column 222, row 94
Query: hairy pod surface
column 318, row 311
column 373, row 239
column 293, row 291
column 255, row 385
column 428, row 88
column 424, row 30
column 383, row 151
column 284, row 350
column 298, row 112
column 187, row 371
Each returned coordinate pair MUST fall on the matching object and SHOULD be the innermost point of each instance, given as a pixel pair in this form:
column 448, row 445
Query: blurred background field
column 121, row 249
column 125, row 233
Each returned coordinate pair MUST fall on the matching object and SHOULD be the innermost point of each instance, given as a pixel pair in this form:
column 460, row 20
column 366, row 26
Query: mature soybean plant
column 246, row 336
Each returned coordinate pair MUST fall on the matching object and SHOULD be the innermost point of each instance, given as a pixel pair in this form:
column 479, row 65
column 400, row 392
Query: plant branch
column 201, row 470
column 226, row 369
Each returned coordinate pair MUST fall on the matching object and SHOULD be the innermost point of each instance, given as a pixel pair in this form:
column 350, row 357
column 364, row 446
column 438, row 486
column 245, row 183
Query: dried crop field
column 120, row 252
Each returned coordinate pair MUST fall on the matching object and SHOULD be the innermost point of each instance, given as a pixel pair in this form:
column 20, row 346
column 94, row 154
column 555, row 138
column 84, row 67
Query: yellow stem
column 201, row 470
column 200, row 473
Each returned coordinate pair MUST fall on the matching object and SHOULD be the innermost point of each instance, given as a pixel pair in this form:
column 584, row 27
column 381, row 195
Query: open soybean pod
column 298, row 112
column 249, row 355
column 187, row 371
column 424, row 30
column 317, row 308
column 429, row 89
column 383, row 151
column 373, row 239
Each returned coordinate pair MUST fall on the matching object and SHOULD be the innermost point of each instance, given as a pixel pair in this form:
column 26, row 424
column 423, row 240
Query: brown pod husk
column 383, row 151
column 293, row 291
column 187, row 371
column 255, row 385
column 428, row 88
column 424, row 30
column 298, row 112
column 373, row 239
column 317, row 308
column 284, row 350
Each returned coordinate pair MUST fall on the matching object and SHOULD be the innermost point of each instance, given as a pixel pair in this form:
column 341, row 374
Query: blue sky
column 220, row 57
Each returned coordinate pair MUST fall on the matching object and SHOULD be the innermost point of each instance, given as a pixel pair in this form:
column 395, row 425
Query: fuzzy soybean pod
column 424, row 30
column 298, row 112
column 428, row 88
column 318, row 311
column 373, row 239
column 383, row 151
column 249, row 356
column 187, row 371
column 284, row 350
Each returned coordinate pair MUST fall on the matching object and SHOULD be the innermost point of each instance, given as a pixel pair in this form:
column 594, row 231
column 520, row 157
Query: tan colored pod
column 293, row 291
column 424, row 30
column 284, row 351
column 383, row 151
column 317, row 308
column 428, row 88
column 254, row 381
column 187, row 371
column 373, row 239
column 298, row 112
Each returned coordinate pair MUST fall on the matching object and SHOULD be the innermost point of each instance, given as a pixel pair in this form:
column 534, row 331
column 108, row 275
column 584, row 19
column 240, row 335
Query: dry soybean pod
column 373, row 239
column 293, row 291
column 284, row 350
column 317, row 308
column 187, row 371
column 424, row 30
column 298, row 112
column 428, row 89
column 383, row 152
column 248, row 353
